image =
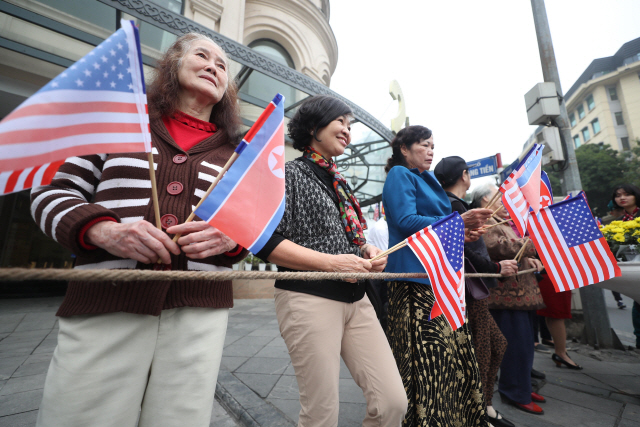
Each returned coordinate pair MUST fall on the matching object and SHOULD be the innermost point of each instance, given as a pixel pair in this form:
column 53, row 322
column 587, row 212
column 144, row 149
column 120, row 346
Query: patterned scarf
column 354, row 222
column 630, row 216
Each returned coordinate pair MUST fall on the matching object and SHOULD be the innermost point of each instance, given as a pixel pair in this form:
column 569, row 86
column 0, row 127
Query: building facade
column 604, row 103
column 284, row 46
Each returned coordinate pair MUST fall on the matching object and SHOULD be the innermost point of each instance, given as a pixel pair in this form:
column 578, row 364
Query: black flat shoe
column 548, row 342
column 537, row 374
column 499, row 422
column 560, row 361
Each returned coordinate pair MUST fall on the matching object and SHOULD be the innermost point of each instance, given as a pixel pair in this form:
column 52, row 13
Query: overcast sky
column 465, row 65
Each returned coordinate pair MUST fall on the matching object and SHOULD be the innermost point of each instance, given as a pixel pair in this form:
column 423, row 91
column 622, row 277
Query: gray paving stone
column 231, row 363
column 20, row 347
column 264, row 365
column 289, row 370
column 279, row 352
column 220, row 417
column 626, row 368
column 2, row 383
column 350, row 392
column 352, row 414
column 20, row 384
column 48, row 345
column 285, row 388
column 618, row 397
column 596, row 389
column 25, row 419
column 20, row 402
column 629, row 423
column 9, row 322
column 627, row 384
column 585, row 400
column 265, row 332
column 31, row 369
column 230, row 339
column 277, row 342
column 36, row 358
column 8, row 365
column 25, row 336
column 567, row 414
column 290, row 407
column 247, row 346
column 631, row 412
column 344, row 371
column 262, row 384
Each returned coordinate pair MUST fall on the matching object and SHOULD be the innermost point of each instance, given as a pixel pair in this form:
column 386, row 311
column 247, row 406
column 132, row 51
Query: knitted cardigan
column 118, row 186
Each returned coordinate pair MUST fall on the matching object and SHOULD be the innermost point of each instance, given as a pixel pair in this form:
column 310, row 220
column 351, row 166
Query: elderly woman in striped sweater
column 145, row 350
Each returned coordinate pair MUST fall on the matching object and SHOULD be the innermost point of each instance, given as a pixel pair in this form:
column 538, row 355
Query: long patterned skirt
column 437, row 365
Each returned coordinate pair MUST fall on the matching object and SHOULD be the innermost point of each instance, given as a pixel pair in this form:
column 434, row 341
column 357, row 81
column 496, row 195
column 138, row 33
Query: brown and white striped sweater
column 118, row 186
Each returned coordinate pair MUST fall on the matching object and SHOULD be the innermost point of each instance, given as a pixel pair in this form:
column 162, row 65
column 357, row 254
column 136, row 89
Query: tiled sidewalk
column 257, row 383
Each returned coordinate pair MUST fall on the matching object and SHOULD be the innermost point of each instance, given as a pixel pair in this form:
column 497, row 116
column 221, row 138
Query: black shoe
column 548, row 342
column 560, row 361
column 537, row 374
column 621, row 305
column 499, row 422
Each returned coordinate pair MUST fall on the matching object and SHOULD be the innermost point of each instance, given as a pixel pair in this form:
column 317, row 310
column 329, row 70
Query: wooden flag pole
column 521, row 251
column 230, row 162
column 154, row 190
column 494, row 199
column 390, row 250
column 486, row 227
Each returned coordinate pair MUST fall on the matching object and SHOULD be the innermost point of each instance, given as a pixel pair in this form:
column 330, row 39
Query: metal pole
column 594, row 307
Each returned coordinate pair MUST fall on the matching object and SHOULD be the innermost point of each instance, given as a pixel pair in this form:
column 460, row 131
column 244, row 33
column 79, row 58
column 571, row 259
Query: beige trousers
column 317, row 332
column 110, row 369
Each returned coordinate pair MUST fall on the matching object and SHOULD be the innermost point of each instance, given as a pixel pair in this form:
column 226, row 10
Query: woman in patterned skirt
column 437, row 365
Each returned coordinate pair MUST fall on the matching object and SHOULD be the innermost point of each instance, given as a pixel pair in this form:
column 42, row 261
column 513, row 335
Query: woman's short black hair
column 406, row 137
column 314, row 114
column 629, row 189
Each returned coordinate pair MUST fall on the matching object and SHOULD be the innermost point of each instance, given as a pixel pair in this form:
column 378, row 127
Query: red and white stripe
column 515, row 203
column 54, row 125
column 570, row 268
column 447, row 284
column 14, row 181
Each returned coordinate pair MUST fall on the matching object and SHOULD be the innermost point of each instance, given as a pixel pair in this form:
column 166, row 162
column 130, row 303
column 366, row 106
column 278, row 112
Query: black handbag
column 475, row 287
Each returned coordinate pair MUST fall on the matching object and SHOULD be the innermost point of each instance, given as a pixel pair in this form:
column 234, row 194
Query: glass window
column 595, row 124
column 613, row 94
column 625, row 143
column 572, row 119
column 580, row 111
column 576, row 140
column 92, row 11
column 585, row 134
column 619, row 118
column 590, row 103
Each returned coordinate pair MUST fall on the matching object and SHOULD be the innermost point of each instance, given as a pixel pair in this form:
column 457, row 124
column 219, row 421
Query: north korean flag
column 248, row 202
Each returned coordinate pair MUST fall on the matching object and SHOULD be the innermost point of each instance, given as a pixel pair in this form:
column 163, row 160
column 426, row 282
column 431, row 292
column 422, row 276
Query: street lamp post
column 596, row 318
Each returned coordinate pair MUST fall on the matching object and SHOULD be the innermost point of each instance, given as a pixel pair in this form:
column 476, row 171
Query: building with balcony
column 604, row 103
column 284, row 46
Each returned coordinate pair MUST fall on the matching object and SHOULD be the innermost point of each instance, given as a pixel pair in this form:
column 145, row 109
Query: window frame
column 615, row 93
column 585, row 134
column 576, row 141
column 625, row 147
column 581, row 112
column 590, row 105
column 572, row 119
column 616, row 115
column 593, row 123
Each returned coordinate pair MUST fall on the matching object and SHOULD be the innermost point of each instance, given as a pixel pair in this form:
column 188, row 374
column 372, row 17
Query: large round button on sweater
column 168, row 220
column 179, row 158
column 174, row 188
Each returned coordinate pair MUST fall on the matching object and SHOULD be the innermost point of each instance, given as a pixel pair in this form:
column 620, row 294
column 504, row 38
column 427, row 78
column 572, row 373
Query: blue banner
column 482, row 167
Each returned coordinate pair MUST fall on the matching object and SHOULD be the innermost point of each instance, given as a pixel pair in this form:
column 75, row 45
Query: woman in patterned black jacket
column 324, row 319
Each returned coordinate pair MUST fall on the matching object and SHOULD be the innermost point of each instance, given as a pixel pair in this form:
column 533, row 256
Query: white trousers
column 110, row 369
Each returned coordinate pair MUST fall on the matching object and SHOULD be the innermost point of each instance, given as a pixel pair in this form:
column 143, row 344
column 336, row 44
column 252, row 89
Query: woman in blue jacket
column 437, row 365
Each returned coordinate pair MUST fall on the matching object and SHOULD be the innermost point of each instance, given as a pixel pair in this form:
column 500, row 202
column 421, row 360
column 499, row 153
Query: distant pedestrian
column 323, row 320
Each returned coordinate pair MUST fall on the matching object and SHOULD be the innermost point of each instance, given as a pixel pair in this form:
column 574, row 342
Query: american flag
column 521, row 190
column 440, row 249
column 98, row 105
column 571, row 246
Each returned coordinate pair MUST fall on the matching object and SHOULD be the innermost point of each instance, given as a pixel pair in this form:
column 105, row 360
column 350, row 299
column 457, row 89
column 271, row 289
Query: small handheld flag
column 546, row 195
column 571, row 246
column 98, row 105
column 248, row 204
column 440, row 249
column 521, row 190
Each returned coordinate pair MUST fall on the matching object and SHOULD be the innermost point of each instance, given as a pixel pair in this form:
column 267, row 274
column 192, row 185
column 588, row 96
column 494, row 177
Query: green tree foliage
column 601, row 169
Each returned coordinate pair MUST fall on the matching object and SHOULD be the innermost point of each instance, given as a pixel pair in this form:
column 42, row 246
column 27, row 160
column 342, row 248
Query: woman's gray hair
column 481, row 192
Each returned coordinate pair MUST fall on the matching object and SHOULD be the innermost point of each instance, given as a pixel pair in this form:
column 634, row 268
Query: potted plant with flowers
column 624, row 239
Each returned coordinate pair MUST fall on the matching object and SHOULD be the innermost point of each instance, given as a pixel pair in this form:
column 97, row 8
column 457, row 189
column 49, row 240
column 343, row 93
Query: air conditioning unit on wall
column 550, row 138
